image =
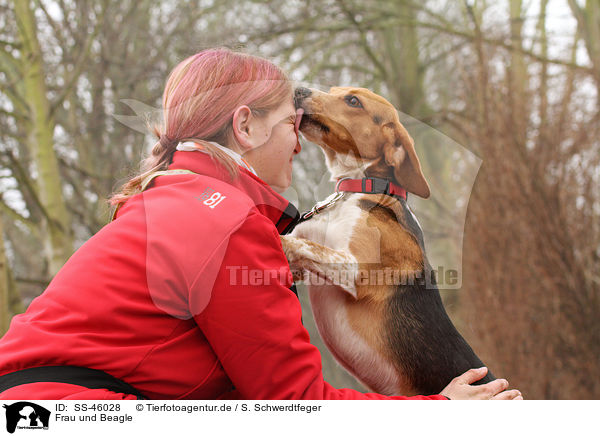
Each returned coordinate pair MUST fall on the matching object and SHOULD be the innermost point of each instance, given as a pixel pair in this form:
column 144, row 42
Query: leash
column 367, row 185
column 324, row 204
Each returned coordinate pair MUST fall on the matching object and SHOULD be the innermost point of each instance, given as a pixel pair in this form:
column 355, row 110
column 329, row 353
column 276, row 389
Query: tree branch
column 363, row 40
column 79, row 64
column 16, row 216
column 55, row 27
column 38, row 281
column 23, row 179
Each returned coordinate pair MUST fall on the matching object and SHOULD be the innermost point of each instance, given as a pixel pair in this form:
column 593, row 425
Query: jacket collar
column 281, row 212
column 196, row 146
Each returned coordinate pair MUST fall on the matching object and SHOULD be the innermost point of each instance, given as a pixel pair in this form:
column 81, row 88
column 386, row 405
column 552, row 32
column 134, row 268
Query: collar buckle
column 378, row 186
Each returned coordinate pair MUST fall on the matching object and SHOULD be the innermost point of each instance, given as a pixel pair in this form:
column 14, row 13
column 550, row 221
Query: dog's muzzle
column 300, row 94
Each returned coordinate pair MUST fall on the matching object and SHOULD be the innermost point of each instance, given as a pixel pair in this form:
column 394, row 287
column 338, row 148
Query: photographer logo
column 26, row 415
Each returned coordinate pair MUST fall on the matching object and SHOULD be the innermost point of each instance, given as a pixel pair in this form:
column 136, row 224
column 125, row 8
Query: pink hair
column 200, row 97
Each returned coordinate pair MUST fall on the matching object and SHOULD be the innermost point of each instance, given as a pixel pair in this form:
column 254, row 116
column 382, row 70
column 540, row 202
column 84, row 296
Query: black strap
column 73, row 375
column 289, row 219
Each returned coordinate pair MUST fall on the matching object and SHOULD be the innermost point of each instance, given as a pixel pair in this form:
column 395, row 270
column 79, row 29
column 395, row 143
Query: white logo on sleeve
column 211, row 198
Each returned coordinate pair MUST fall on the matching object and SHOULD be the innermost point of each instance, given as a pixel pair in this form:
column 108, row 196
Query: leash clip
column 329, row 201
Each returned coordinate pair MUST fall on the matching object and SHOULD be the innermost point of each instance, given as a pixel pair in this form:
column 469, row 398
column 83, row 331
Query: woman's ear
column 243, row 128
column 399, row 151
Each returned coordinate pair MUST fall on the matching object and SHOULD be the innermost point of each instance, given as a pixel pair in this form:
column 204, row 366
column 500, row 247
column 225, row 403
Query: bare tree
column 530, row 299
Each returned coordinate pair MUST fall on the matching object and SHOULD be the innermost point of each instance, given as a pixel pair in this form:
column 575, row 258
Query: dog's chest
column 334, row 226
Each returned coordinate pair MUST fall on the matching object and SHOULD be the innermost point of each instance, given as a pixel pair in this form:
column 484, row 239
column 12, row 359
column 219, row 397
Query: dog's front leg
column 337, row 267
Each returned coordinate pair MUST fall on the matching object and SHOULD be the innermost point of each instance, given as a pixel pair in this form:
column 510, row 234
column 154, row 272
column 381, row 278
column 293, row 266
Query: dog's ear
column 399, row 151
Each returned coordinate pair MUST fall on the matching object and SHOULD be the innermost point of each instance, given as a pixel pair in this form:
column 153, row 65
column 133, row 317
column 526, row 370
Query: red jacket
column 184, row 296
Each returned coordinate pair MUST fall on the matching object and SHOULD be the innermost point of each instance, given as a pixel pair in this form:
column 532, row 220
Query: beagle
column 372, row 291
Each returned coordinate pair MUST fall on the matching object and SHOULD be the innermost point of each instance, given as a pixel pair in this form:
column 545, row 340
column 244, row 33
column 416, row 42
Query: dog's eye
column 353, row 101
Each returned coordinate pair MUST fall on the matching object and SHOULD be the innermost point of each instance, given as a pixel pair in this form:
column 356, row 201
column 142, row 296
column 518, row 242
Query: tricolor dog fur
column 394, row 337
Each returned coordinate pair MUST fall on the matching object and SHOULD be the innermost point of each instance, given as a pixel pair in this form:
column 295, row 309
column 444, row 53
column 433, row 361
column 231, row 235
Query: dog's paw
column 336, row 267
column 291, row 247
column 297, row 275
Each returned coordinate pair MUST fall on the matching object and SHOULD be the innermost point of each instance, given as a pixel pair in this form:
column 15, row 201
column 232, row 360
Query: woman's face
column 275, row 142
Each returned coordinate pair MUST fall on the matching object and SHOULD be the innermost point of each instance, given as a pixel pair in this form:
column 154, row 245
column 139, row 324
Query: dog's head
column 359, row 130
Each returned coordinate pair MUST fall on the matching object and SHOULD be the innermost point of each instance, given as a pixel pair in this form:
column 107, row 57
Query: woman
column 186, row 294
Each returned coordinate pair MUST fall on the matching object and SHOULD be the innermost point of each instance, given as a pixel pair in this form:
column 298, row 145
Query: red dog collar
column 370, row 185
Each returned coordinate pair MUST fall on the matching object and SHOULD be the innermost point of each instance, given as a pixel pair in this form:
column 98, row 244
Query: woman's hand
column 460, row 388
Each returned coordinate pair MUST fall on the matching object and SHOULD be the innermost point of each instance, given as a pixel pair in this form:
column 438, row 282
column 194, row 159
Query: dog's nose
column 300, row 94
